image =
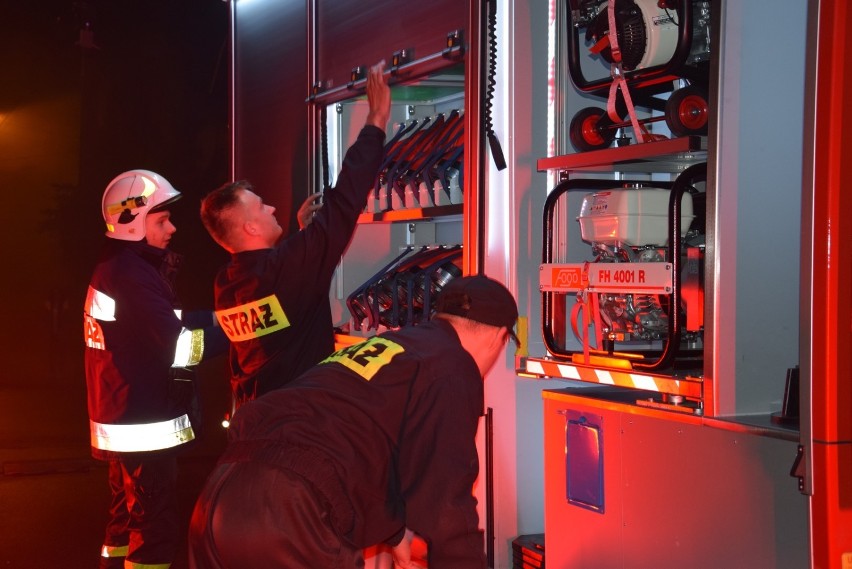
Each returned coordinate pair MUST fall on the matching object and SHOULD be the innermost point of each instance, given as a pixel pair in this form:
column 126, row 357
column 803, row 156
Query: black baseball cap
column 482, row 299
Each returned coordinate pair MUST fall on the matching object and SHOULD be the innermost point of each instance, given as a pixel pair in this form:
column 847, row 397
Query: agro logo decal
column 253, row 319
column 367, row 358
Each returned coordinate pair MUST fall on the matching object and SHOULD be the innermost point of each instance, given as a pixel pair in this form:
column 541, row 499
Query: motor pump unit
column 664, row 48
column 649, row 32
column 631, row 225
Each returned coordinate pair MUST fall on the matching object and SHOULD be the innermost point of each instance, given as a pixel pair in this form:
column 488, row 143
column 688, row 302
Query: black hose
column 324, row 146
column 493, row 141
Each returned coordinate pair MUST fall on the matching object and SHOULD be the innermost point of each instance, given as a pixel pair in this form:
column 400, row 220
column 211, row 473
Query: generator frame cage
column 679, row 369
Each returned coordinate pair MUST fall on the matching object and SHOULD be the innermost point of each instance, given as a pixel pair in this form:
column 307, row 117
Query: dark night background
column 89, row 89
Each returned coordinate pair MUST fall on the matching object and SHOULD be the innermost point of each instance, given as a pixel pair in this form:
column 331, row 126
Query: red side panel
column 831, row 342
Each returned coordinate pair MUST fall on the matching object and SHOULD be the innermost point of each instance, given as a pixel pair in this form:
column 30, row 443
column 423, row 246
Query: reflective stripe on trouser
column 143, row 512
column 112, row 557
column 114, row 551
column 117, row 537
column 118, row 562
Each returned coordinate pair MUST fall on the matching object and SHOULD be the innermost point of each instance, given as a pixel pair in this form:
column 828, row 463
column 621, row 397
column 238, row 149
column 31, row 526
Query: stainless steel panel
column 352, row 33
column 269, row 115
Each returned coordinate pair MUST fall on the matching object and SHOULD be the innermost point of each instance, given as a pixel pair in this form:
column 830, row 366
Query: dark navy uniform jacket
column 139, row 348
column 273, row 303
column 385, row 430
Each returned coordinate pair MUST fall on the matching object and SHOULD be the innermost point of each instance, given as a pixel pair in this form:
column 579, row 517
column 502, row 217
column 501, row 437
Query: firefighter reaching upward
column 272, row 296
column 139, row 351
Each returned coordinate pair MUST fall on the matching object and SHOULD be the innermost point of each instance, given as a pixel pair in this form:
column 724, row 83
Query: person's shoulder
column 117, row 257
column 431, row 340
column 251, row 262
column 437, row 352
column 129, row 267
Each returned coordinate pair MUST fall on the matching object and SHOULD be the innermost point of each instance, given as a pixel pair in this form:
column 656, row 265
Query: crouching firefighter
column 139, row 352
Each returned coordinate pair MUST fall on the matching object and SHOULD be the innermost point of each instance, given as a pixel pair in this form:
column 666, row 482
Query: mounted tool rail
column 424, row 157
column 404, row 291
column 403, row 67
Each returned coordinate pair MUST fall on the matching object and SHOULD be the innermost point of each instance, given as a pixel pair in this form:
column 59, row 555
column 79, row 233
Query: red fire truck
column 659, row 184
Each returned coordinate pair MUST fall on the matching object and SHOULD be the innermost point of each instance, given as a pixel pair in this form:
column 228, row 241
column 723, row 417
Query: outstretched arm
column 378, row 96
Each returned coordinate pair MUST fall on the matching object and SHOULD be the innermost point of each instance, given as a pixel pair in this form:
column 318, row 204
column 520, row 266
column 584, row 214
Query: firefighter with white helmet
column 128, row 199
column 140, row 348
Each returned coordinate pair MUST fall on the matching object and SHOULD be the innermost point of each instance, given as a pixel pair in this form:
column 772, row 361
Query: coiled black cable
column 493, row 141
column 324, row 146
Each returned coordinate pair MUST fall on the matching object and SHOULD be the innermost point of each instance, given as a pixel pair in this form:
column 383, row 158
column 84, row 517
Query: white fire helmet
column 129, row 198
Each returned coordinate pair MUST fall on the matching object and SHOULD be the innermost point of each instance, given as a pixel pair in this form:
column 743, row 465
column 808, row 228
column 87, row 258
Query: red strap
column 613, row 32
column 619, row 82
column 576, row 310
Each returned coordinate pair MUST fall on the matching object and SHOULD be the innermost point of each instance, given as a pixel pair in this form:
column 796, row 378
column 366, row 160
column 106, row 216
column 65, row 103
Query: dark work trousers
column 253, row 515
column 143, row 524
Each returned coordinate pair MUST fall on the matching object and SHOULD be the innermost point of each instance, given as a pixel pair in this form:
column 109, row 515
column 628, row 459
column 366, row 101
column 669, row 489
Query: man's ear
column 498, row 337
column 250, row 228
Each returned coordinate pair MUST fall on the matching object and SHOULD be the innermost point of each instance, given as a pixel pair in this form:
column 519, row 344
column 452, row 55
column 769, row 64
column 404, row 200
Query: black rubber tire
column 589, row 130
column 687, row 111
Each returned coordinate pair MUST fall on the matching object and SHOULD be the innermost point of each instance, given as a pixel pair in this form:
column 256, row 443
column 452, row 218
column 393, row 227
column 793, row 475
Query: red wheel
column 590, row 130
column 687, row 111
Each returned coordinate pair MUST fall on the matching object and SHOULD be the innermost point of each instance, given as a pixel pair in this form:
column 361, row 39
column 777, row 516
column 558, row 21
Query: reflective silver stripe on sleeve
column 99, row 306
column 142, row 437
column 190, row 348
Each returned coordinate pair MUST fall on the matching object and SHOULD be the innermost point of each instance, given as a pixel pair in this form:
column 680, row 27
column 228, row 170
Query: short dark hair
column 214, row 204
